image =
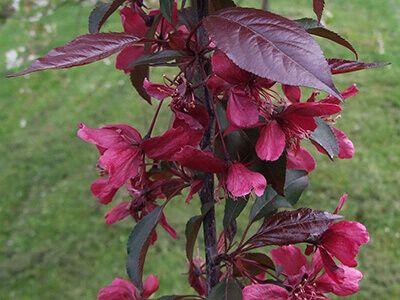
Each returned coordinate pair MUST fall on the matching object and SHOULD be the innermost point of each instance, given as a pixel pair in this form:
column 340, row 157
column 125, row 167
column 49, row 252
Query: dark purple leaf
column 166, row 8
column 158, row 58
column 83, row 50
column 273, row 171
column 264, row 206
column 233, row 208
column 270, row 46
column 339, row 66
column 325, row 137
column 291, row 227
column 226, row 289
column 192, row 230
column 253, row 263
column 137, row 78
column 318, row 6
column 138, row 244
column 316, row 28
column 101, row 13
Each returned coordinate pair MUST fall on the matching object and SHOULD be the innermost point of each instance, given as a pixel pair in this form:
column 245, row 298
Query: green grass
column 53, row 242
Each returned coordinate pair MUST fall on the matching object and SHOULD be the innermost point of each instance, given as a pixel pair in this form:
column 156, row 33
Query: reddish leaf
column 137, row 78
column 339, row 66
column 138, row 244
column 192, row 230
column 316, row 28
column 325, row 137
column 273, row 171
column 270, row 46
column 83, row 50
column 253, row 263
column 318, row 6
column 101, row 13
column 291, row 227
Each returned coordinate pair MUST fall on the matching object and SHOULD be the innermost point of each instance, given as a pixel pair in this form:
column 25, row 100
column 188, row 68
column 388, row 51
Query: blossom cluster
column 241, row 124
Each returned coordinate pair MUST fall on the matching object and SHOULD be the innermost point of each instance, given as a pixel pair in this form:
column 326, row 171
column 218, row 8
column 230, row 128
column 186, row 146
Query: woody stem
column 207, row 191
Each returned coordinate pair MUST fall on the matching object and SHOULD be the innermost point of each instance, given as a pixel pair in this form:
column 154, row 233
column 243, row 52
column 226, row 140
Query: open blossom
column 134, row 21
column 342, row 240
column 196, row 276
column 190, row 121
column 289, row 126
column 241, row 181
column 243, row 89
column 121, row 289
column 144, row 195
column 120, row 156
column 235, row 177
column 303, row 280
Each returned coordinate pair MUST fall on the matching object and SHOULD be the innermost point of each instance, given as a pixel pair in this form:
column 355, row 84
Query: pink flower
column 265, row 291
column 121, row 289
column 120, row 156
column 135, row 21
column 241, row 181
column 289, row 126
column 300, row 159
column 190, row 121
column 346, row 147
column 303, row 280
column 144, row 194
column 243, row 89
column 342, row 240
column 196, row 276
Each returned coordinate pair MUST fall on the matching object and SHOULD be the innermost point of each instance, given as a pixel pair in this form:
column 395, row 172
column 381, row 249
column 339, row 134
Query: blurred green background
column 53, row 240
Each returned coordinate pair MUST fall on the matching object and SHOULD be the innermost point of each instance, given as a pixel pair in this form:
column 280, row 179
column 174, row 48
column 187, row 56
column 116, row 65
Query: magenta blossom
column 287, row 127
column 241, row 181
column 120, row 157
column 302, row 279
column 342, row 240
column 244, row 90
column 144, row 195
column 121, row 289
column 135, row 21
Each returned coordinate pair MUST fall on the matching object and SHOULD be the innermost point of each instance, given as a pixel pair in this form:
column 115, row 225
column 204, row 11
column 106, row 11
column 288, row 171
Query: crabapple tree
column 239, row 120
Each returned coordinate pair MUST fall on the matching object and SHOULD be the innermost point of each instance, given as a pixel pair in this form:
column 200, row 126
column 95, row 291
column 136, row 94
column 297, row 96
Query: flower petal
column 272, row 142
column 121, row 163
column 133, row 22
column 158, row 91
column 103, row 190
column 150, row 285
column 290, row 259
column 127, row 56
column 119, row 289
column 342, row 201
column 164, row 147
column 346, row 147
column 241, row 181
column 118, row 212
column 241, row 111
column 264, row 291
column 193, row 158
column 343, row 240
column 224, row 68
column 293, row 93
column 301, row 160
column 348, row 286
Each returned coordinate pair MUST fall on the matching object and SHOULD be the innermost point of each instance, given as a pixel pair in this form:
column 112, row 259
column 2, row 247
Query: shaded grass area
column 53, row 242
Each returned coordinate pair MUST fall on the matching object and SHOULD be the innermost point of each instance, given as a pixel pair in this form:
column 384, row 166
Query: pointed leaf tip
column 260, row 42
column 83, row 50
